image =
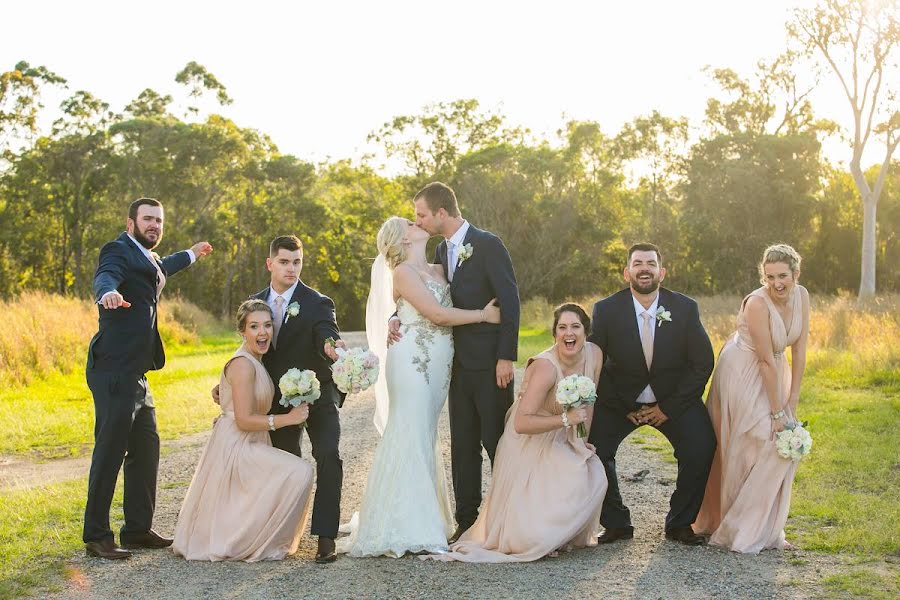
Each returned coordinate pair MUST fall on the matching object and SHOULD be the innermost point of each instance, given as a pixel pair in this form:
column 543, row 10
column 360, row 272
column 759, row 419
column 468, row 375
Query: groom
column 479, row 268
column 303, row 320
column 657, row 361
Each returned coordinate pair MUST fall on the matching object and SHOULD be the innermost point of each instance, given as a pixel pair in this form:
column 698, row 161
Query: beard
column 647, row 288
column 143, row 241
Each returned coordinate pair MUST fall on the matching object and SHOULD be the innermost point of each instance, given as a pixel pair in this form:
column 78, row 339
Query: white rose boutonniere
column 662, row 315
column 292, row 310
column 465, row 253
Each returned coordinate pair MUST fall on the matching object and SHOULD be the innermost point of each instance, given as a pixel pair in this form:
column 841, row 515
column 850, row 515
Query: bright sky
column 319, row 76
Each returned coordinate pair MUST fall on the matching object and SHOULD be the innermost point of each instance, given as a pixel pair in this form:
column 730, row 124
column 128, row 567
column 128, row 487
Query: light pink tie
column 451, row 260
column 160, row 278
column 647, row 337
column 278, row 317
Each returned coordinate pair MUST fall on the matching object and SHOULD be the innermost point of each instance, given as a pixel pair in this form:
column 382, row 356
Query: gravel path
column 646, row 567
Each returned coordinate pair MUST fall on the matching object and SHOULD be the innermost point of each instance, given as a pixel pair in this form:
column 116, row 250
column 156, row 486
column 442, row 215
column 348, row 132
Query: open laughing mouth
column 262, row 344
column 569, row 344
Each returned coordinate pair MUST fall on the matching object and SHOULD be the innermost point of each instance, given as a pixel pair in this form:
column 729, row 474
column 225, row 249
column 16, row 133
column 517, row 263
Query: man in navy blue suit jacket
column 657, row 359
column 127, row 285
column 479, row 268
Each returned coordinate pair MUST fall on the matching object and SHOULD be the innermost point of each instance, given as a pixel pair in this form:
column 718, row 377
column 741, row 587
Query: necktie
column 451, row 259
column 647, row 337
column 277, row 317
column 160, row 278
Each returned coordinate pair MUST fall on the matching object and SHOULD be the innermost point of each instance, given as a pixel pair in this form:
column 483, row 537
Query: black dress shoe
column 458, row 533
column 150, row 539
column 106, row 549
column 326, row 554
column 613, row 534
column 685, row 535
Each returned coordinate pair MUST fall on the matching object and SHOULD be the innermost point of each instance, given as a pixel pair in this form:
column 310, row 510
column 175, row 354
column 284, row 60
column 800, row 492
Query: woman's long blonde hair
column 390, row 241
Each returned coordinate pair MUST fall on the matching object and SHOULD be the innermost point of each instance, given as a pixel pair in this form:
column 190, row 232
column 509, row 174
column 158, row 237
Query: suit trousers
column 324, row 430
column 694, row 440
column 124, row 430
column 477, row 410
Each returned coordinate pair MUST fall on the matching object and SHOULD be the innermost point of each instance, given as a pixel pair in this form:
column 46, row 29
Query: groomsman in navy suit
column 127, row 286
column 479, row 268
column 658, row 359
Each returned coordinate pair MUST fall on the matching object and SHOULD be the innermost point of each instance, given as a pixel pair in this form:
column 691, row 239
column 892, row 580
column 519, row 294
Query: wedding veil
column 379, row 308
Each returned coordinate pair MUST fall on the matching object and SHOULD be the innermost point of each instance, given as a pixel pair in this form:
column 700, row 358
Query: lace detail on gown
column 406, row 506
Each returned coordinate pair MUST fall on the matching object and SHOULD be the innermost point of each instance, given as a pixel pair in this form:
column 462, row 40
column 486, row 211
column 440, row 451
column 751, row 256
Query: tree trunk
column 867, row 273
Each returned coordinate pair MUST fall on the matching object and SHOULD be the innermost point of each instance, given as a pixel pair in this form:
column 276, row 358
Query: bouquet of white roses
column 355, row 370
column 575, row 391
column 793, row 443
column 298, row 387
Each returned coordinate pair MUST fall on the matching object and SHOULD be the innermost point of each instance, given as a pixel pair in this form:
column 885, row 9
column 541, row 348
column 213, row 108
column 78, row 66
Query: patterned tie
column 277, row 317
column 647, row 337
column 451, row 259
column 160, row 278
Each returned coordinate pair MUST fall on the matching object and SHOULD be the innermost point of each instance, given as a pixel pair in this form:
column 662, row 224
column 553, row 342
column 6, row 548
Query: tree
column 856, row 39
column 20, row 100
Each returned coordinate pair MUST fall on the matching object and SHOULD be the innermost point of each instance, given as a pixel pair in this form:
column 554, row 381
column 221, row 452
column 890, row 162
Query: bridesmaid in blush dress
column 247, row 501
column 548, row 484
column 753, row 395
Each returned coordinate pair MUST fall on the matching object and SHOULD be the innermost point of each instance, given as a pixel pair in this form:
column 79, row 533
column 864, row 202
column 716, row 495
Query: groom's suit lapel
column 139, row 259
column 471, row 234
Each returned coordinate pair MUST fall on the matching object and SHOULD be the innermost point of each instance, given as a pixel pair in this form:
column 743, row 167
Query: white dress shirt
column 454, row 243
column 287, row 295
column 646, row 396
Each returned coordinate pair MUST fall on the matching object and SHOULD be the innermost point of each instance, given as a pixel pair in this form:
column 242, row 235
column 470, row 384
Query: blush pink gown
column 546, row 494
column 748, row 494
column 247, row 501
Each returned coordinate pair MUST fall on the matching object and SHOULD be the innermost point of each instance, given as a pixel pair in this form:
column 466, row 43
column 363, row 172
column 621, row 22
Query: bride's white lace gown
column 406, row 506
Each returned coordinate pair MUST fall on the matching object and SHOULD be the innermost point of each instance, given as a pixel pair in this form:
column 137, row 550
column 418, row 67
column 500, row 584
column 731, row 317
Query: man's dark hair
column 645, row 247
column 133, row 209
column 439, row 195
column 288, row 242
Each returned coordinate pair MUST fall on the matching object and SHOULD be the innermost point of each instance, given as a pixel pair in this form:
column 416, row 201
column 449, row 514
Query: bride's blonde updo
column 779, row 253
column 390, row 241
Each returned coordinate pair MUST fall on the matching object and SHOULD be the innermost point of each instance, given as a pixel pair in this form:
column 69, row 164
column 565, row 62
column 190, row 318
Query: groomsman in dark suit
column 479, row 268
column 304, row 319
column 658, row 359
column 127, row 286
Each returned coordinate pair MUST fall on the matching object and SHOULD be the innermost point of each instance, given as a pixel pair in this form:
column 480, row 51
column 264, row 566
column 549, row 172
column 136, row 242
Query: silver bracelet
column 777, row 415
column 565, row 419
column 271, row 422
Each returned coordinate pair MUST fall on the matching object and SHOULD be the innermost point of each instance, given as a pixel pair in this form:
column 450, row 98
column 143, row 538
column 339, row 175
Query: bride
column 406, row 506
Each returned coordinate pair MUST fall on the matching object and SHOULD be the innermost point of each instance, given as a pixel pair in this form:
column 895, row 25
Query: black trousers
column 324, row 430
column 124, row 430
column 694, row 441
column 477, row 414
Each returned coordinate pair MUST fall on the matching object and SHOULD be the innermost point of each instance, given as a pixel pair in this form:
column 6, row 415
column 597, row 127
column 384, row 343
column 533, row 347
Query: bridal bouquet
column 794, row 443
column 298, row 387
column 355, row 370
column 575, row 391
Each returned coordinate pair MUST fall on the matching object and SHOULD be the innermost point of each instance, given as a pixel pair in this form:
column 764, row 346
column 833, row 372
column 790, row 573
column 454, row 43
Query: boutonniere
column 465, row 253
column 662, row 315
column 292, row 310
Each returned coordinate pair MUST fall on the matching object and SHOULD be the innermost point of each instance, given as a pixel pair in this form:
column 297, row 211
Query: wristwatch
column 271, row 422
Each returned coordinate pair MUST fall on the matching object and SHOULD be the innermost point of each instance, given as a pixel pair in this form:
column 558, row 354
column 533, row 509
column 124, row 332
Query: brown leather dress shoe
column 326, row 554
column 458, row 533
column 106, row 549
column 685, row 535
column 614, row 534
column 151, row 539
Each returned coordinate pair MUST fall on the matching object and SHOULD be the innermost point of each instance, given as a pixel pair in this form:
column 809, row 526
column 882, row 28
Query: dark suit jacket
column 682, row 354
column 487, row 274
column 128, row 339
column 301, row 340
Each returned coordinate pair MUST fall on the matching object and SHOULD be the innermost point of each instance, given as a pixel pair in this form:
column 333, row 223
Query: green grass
column 39, row 529
column 863, row 583
column 54, row 417
column 532, row 341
